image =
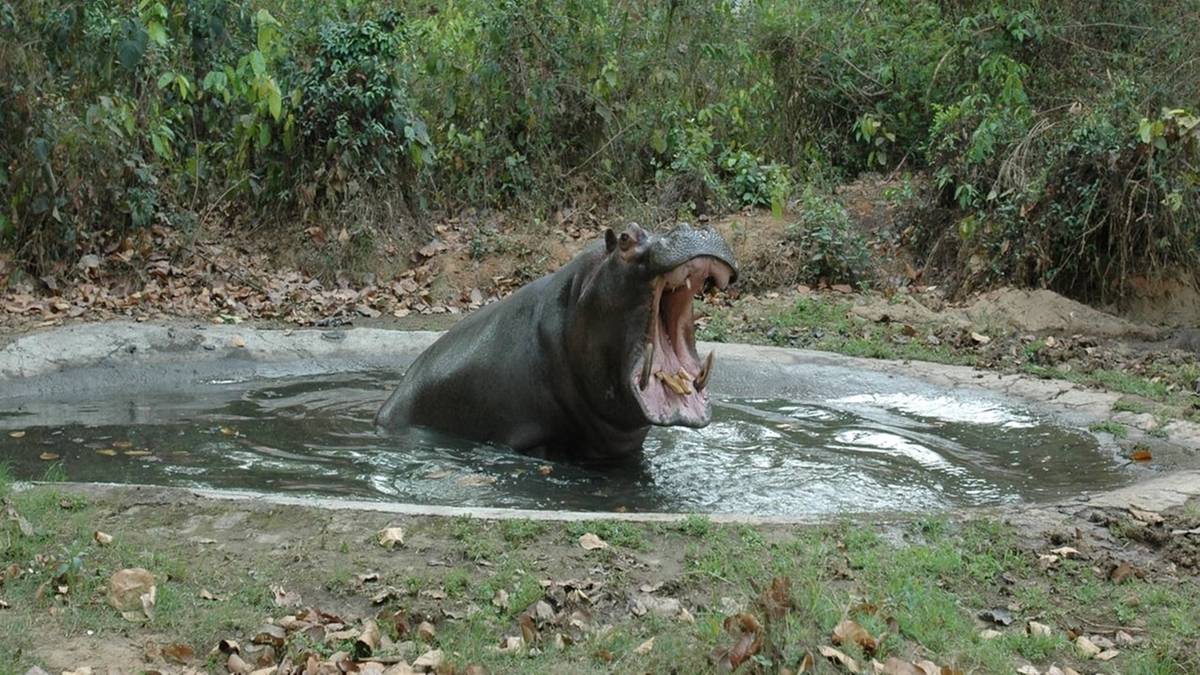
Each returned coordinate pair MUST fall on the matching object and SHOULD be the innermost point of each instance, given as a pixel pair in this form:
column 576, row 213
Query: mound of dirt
column 1044, row 311
column 1038, row 312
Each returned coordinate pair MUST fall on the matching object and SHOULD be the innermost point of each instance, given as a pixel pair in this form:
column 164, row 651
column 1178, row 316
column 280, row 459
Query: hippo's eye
column 625, row 241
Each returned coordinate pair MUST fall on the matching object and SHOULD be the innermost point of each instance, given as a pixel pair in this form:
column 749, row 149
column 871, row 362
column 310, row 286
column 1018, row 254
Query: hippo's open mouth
column 669, row 379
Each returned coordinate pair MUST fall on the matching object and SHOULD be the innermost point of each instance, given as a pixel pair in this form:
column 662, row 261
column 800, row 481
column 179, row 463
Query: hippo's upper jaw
column 668, row 378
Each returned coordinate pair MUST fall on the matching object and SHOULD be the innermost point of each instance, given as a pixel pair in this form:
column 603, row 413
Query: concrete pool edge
column 1154, row 494
column 95, row 357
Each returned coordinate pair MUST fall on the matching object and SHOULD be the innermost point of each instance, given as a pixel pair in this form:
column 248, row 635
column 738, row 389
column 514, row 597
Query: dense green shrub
column 1058, row 136
column 830, row 248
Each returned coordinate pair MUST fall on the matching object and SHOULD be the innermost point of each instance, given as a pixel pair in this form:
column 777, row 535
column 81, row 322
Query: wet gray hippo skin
column 580, row 363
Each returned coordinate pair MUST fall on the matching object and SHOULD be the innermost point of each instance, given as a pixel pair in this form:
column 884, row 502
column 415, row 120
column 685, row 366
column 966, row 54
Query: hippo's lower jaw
column 668, row 378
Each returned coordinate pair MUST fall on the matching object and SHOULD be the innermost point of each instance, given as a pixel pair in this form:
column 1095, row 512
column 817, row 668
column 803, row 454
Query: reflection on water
column 761, row 456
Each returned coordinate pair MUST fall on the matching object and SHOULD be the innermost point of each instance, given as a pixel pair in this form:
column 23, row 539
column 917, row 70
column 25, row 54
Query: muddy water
column 762, row 456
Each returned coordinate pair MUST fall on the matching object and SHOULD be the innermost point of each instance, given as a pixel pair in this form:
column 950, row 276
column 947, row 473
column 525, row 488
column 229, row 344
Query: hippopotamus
column 580, row 363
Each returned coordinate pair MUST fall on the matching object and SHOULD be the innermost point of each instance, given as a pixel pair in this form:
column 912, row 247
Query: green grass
column 917, row 586
column 1114, row 429
column 825, row 324
column 521, row 530
column 615, row 532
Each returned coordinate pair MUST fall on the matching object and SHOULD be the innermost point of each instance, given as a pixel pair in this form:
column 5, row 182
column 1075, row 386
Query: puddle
column 763, row 456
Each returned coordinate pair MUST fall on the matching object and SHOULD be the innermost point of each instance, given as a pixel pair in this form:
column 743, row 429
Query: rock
column 1086, row 648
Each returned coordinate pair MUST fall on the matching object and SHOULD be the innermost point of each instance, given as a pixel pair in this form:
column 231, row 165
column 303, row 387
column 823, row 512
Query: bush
column 1058, row 135
column 829, row 247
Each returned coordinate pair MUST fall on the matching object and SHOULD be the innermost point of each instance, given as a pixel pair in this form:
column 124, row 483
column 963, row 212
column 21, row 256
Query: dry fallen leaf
column 1108, row 655
column 850, row 632
column 101, row 538
column 430, row 660
column 426, row 631
column 391, row 537
column 500, row 599
column 1148, row 517
column 22, row 524
column 205, row 594
column 1065, row 552
column 1122, row 571
column 749, row 639
column 1039, row 629
column 839, row 658
column 591, row 542
column 895, row 666
column 777, row 599
column 234, row 664
column 1086, row 648
column 284, row 598
column 368, row 639
column 178, row 653
column 1141, row 454
column 645, row 647
column 132, row 592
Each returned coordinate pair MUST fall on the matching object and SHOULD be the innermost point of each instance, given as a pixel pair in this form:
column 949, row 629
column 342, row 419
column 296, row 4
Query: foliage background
column 1059, row 140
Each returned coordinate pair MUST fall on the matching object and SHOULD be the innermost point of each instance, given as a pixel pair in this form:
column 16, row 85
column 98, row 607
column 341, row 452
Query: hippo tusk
column 647, row 364
column 702, row 378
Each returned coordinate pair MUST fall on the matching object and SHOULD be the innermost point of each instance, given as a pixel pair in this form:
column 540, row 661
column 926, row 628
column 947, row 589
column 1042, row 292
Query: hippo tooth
column 688, row 281
column 702, row 379
column 673, row 382
column 647, row 364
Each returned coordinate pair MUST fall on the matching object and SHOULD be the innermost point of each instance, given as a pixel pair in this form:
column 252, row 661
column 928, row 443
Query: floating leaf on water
column 476, row 480
column 122, row 444
column 48, row 456
column 138, row 453
column 108, row 452
column 17, row 434
column 237, row 342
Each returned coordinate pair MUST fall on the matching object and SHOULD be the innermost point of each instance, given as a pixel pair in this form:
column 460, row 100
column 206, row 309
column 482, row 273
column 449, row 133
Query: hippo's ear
column 610, row 240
